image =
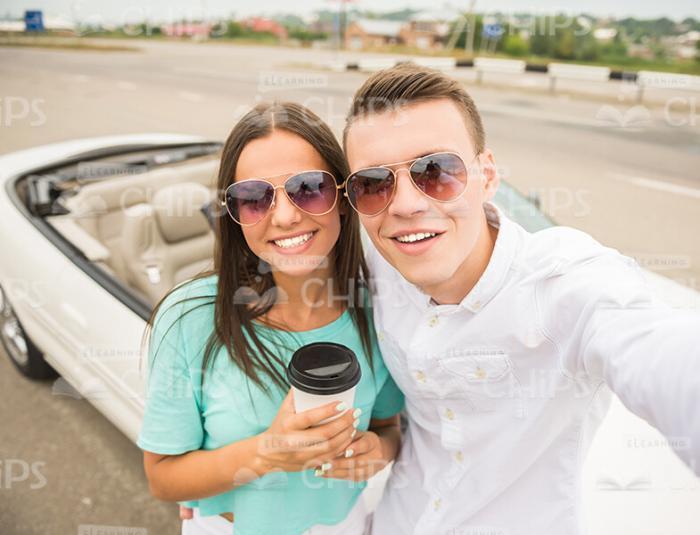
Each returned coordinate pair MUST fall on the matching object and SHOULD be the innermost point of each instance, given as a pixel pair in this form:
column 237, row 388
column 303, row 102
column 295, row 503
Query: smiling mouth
column 416, row 237
column 296, row 241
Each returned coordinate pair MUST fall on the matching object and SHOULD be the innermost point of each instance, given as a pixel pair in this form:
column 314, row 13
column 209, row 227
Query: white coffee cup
column 321, row 373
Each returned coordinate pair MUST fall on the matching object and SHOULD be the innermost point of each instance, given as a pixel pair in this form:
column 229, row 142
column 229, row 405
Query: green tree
column 565, row 44
column 542, row 39
column 587, row 47
column 306, row 36
column 234, row 29
column 462, row 39
column 514, row 45
column 617, row 48
column 588, row 51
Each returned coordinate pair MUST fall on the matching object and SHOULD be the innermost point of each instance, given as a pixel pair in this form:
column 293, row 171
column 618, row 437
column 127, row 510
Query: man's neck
column 454, row 290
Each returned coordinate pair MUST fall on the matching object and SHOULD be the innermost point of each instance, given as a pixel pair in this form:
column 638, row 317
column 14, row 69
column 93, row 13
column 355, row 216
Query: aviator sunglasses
column 248, row 201
column 442, row 176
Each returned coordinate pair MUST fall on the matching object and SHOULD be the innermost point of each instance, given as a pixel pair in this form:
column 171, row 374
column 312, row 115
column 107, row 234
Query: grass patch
column 62, row 43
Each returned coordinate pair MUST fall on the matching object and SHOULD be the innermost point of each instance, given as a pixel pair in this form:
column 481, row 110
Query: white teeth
column 293, row 242
column 410, row 238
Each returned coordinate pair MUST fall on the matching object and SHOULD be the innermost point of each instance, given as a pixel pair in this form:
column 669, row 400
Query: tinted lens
column 248, row 201
column 370, row 190
column 441, row 176
column 313, row 191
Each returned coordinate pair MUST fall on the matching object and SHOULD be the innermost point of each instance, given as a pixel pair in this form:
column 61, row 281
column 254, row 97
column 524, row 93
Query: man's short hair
column 408, row 83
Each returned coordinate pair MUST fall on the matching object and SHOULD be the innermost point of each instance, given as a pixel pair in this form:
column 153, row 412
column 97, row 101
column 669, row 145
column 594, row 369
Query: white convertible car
column 95, row 231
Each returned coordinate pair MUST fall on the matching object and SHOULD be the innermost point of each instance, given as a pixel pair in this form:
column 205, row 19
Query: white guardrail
column 555, row 71
column 441, row 64
column 576, row 72
column 666, row 80
column 376, row 64
column 502, row 66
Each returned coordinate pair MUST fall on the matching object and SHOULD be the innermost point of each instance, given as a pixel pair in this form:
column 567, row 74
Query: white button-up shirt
column 505, row 389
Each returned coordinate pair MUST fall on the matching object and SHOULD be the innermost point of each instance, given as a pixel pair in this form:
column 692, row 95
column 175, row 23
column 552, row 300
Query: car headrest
column 177, row 209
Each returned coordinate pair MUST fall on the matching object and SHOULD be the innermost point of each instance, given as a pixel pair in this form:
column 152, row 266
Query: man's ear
column 490, row 176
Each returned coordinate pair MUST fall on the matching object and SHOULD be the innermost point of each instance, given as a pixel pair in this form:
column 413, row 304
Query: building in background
column 362, row 34
column 428, row 30
column 425, row 30
column 265, row 25
column 605, row 34
column 187, row 29
column 683, row 46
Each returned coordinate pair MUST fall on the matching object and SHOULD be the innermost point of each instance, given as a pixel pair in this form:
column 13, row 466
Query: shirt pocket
column 483, row 378
column 481, row 395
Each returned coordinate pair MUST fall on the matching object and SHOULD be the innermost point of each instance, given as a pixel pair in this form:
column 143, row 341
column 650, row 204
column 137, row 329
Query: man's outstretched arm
column 612, row 328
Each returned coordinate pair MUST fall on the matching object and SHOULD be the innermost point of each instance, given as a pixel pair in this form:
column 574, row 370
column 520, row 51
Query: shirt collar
column 493, row 277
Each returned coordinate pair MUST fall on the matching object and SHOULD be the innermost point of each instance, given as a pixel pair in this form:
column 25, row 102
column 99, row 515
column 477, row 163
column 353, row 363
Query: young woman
column 220, row 433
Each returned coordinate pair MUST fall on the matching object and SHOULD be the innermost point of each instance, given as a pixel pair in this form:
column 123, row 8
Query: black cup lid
column 323, row 368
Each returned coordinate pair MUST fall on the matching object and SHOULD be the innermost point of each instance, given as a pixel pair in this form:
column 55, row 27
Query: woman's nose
column 284, row 213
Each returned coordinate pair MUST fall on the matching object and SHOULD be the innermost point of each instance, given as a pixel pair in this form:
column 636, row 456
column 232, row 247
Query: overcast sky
column 166, row 10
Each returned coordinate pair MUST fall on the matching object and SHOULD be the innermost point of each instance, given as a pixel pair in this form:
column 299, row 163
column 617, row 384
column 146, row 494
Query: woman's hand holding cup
column 302, row 441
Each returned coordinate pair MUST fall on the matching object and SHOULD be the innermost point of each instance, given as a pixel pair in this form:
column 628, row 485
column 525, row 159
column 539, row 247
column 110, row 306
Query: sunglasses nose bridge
column 406, row 168
column 284, row 193
column 273, row 203
column 283, row 212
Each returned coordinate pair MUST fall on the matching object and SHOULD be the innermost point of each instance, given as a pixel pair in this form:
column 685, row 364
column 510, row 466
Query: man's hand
column 185, row 513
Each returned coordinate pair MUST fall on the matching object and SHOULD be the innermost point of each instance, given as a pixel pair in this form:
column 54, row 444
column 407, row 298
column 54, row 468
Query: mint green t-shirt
column 182, row 416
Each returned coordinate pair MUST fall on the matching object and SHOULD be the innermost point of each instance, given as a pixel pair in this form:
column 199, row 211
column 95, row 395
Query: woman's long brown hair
column 245, row 291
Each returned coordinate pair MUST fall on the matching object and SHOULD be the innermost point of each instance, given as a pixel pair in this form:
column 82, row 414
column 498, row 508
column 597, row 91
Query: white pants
column 356, row 523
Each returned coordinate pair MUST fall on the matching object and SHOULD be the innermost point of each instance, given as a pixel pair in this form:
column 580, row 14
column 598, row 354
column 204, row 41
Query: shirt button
column 420, row 376
column 477, row 305
column 433, row 321
column 480, row 373
column 449, row 414
column 381, row 336
column 437, row 503
column 459, row 456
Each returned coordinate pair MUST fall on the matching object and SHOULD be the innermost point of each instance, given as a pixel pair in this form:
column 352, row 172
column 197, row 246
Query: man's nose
column 407, row 201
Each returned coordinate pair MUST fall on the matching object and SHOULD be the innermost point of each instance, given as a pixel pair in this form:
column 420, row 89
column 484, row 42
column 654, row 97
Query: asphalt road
column 66, row 470
column 627, row 174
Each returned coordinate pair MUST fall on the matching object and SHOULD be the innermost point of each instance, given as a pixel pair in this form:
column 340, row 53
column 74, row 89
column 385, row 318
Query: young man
column 506, row 344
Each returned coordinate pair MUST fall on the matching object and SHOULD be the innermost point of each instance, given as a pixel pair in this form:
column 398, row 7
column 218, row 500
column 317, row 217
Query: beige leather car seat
column 167, row 241
column 99, row 206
